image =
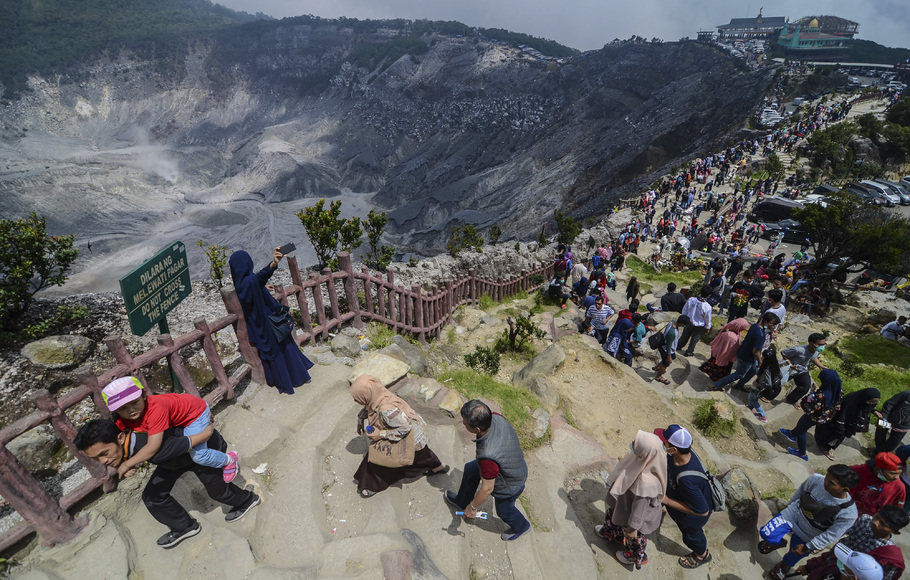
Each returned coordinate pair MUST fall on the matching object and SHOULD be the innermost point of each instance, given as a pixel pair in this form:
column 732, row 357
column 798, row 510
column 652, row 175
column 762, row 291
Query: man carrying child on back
column 156, row 413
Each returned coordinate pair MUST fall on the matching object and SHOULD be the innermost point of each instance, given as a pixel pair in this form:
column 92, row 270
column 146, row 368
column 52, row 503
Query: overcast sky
column 589, row 24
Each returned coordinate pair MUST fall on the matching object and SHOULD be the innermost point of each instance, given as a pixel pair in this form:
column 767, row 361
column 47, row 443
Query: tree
column 568, row 228
column 218, row 259
column 30, row 260
column 899, row 112
column 849, row 236
column 516, row 337
column 329, row 233
column 775, row 168
column 379, row 256
column 464, row 237
column 495, row 233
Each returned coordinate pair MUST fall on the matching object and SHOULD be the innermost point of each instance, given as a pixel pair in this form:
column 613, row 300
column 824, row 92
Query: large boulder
column 416, row 358
column 59, row 352
column 344, row 345
column 451, row 404
column 881, row 317
column 741, row 502
column 541, row 422
column 428, row 388
column 544, row 364
column 36, row 449
column 385, row 368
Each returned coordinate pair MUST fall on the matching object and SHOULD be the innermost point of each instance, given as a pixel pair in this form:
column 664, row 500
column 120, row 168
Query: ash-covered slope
column 248, row 129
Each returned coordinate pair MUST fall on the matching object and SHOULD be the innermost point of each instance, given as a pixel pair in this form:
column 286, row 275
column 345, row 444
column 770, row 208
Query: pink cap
column 120, row 392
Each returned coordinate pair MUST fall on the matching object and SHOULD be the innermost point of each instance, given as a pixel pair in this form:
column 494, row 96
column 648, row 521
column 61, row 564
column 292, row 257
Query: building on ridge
column 817, row 38
column 760, row 27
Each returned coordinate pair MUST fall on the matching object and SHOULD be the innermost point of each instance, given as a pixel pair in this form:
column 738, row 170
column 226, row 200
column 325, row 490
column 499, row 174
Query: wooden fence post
column 36, row 506
column 247, row 351
column 116, row 347
column 368, row 292
column 350, row 289
column 211, row 353
column 295, row 271
column 472, row 288
column 333, row 295
column 67, row 433
column 418, row 314
column 178, row 366
column 450, row 300
column 390, row 277
column 318, row 303
column 88, row 378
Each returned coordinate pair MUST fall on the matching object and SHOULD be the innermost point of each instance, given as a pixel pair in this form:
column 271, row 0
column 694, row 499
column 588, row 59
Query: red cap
column 887, row 461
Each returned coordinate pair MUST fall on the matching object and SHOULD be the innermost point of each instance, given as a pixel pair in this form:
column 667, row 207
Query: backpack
column 718, row 495
column 595, row 261
column 562, row 265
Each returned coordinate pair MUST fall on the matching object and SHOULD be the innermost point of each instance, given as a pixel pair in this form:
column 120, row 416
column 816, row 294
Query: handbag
column 282, row 323
column 658, row 339
column 393, row 453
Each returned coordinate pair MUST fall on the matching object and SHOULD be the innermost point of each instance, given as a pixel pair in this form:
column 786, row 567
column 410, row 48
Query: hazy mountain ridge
column 467, row 131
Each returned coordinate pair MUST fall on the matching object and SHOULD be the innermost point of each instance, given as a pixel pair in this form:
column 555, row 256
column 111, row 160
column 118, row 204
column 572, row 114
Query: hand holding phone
column 287, row 248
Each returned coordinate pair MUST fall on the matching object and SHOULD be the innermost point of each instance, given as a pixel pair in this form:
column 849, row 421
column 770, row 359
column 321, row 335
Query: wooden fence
column 363, row 297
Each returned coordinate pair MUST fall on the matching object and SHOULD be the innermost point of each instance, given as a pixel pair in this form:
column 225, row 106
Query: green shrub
column 30, row 260
column 217, row 256
column 483, row 360
column 486, row 302
column 495, row 233
column 516, row 338
column 328, row 232
column 710, row 423
column 379, row 256
column 464, row 237
column 380, row 335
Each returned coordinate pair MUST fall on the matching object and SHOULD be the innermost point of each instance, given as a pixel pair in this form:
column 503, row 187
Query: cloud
column 589, row 24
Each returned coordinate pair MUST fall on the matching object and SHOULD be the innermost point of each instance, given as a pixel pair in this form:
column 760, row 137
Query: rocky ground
column 299, row 453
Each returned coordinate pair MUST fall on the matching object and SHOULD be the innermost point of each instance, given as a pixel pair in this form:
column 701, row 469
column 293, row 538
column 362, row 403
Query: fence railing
column 362, row 297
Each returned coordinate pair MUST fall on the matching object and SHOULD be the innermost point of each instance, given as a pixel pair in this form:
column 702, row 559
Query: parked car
column 868, row 196
column 897, row 189
column 825, row 190
column 905, row 181
column 884, row 190
column 815, row 198
column 794, row 233
column 773, row 209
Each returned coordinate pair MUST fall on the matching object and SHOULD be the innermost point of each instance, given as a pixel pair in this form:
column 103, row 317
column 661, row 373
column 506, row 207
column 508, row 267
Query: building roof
column 827, row 22
column 762, row 23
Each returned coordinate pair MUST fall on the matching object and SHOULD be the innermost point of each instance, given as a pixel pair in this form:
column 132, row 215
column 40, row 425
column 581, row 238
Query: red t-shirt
column 165, row 411
column 872, row 493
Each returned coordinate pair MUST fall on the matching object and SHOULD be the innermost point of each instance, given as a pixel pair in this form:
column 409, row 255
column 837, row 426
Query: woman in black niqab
column 852, row 418
column 284, row 364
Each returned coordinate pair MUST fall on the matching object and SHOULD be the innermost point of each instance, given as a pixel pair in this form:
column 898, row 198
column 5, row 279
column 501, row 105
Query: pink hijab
column 724, row 347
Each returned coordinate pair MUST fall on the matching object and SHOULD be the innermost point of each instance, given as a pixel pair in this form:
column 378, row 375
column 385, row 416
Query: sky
column 589, row 24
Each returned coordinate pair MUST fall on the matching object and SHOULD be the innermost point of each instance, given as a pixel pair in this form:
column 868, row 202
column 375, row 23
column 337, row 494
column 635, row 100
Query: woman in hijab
column 637, row 487
column 852, row 418
column 820, row 406
column 723, row 349
column 392, row 419
column 632, row 289
column 617, row 343
column 284, row 365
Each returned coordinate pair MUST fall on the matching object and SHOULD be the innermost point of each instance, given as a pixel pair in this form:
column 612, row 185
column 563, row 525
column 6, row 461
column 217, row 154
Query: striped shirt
column 599, row 317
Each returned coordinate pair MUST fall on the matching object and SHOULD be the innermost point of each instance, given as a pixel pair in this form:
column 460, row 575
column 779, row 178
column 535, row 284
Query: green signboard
column 156, row 287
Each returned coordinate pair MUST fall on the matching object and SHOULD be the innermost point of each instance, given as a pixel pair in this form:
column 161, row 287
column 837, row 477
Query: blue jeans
column 201, row 453
column 742, row 367
column 791, row 559
column 802, row 427
column 505, row 507
column 755, row 404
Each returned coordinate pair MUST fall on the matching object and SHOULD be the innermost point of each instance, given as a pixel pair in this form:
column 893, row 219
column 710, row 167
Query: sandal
column 662, row 381
column 766, row 547
column 830, row 455
column 443, row 469
column 691, row 561
column 367, row 493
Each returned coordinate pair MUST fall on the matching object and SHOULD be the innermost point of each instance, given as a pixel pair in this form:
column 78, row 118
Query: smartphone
column 287, row 249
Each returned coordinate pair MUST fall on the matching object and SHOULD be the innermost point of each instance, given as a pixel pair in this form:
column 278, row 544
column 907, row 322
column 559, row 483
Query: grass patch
column 516, row 403
column 520, row 295
column 783, row 492
column 568, row 416
column 380, row 335
column 710, row 423
column 857, row 360
column 486, row 302
column 451, row 335
column 644, row 272
column 872, row 349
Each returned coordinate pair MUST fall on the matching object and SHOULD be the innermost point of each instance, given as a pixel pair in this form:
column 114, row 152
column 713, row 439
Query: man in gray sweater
column 499, row 469
column 818, row 514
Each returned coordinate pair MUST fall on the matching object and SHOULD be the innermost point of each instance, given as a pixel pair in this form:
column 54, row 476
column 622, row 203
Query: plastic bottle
column 369, row 429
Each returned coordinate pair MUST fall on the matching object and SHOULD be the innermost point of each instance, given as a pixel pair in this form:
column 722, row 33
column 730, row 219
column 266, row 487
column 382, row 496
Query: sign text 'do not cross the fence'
column 156, row 287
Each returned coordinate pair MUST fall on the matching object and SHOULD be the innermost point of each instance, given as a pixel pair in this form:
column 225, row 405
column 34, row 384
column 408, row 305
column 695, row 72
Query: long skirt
column 377, row 477
column 614, row 533
column 714, row 371
column 289, row 369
